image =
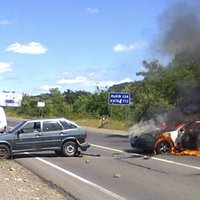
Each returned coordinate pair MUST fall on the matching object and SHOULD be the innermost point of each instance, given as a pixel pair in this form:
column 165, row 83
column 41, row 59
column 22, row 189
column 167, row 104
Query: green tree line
column 161, row 88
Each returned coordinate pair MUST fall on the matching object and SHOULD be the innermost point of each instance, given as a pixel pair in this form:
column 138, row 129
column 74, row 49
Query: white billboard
column 10, row 99
column 40, row 104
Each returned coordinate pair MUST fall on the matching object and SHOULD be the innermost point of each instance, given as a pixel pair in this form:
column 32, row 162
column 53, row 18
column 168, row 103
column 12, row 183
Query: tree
column 58, row 106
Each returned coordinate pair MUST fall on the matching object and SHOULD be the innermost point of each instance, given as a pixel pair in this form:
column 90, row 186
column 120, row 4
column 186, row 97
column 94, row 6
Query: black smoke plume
column 179, row 36
column 179, row 28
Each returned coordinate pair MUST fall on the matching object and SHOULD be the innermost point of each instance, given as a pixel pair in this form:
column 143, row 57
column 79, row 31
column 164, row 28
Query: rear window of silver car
column 67, row 125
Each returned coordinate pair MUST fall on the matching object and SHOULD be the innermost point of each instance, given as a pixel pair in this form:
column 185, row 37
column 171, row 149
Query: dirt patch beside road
column 18, row 183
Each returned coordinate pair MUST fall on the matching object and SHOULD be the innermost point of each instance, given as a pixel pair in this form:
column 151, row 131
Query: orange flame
column 174, row 151
column 189, row 152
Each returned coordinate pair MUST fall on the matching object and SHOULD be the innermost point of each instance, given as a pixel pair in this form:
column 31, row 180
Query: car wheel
column 4, row 152
column 69, row 149
column 58, row 152
column 163, row 147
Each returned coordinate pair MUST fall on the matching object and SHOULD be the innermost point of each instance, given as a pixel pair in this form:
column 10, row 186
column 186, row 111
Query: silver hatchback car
column 61, row 135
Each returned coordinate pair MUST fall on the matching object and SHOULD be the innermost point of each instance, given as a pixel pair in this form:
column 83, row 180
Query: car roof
column 48, row 119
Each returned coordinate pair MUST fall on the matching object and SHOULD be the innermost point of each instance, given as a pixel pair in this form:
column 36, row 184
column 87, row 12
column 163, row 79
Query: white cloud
column 5, row 67
column 4, row 22
column 30, row 48
column 131, row 47
column 110, row 83
column 85, row 82
column 76, row 80
column 92, row 10
column 98, row 73
column 48, row 87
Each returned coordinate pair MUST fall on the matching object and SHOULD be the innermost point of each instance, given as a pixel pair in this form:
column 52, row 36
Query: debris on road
column 117, row 175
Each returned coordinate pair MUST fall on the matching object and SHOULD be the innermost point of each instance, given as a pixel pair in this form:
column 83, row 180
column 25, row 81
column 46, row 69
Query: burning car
column 184, row 137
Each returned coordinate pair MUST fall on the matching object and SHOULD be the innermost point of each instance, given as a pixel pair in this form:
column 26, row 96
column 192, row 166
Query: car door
column 73, row 130
column 52, row 133
column 29, row 137
column 189, row 139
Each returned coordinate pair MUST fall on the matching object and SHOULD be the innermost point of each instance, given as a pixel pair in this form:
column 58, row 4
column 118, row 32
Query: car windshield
column 17, row 127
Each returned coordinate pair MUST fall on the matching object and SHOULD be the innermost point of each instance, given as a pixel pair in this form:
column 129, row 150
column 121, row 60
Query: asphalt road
column 111, row 169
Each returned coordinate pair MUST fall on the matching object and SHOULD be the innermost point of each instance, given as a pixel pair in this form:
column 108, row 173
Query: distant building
column 12, row 99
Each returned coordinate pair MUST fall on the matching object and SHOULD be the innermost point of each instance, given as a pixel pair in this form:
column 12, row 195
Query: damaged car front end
column 144, row 141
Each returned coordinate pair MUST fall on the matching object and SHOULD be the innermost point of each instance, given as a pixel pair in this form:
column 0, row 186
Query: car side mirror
column 19, row 132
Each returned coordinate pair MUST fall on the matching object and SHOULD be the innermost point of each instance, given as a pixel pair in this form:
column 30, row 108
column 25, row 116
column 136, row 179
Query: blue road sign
column 119, row 98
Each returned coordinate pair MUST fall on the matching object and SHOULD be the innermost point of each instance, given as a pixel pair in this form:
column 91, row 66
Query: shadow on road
column 31, row 155
column 50, row 155
column 139, row 151
column 116, row 136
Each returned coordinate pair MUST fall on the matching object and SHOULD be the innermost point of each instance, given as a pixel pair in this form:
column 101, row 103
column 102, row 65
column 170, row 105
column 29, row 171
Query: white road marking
column 152, row 158
column 175, row 163
column 82, row 179
column 107, row 148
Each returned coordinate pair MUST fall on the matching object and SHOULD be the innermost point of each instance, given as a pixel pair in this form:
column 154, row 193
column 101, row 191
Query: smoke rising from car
column 179, row 29
column 147, row 126
column 179, row 34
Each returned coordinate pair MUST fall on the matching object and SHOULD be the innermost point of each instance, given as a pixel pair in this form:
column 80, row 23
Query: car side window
column 67, row 125
column 51, row 126
column 31, row 127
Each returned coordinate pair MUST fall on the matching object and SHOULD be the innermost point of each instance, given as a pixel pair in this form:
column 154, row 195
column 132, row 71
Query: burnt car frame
column 186, row 136
column 62, row 136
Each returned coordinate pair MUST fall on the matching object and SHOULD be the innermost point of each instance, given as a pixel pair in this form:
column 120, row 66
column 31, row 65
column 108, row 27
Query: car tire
column 69, row 149
column 163, row 147
column 4, row 152
column 58, row 152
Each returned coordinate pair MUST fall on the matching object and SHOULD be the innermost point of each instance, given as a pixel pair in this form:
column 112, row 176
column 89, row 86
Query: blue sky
column 75, row 44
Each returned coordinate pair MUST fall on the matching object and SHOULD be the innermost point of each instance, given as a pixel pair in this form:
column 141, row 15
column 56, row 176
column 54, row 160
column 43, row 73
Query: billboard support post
column 41, row 105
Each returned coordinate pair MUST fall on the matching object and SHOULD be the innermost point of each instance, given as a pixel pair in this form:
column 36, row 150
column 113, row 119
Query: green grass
column 96, row 123
column 110, row 124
